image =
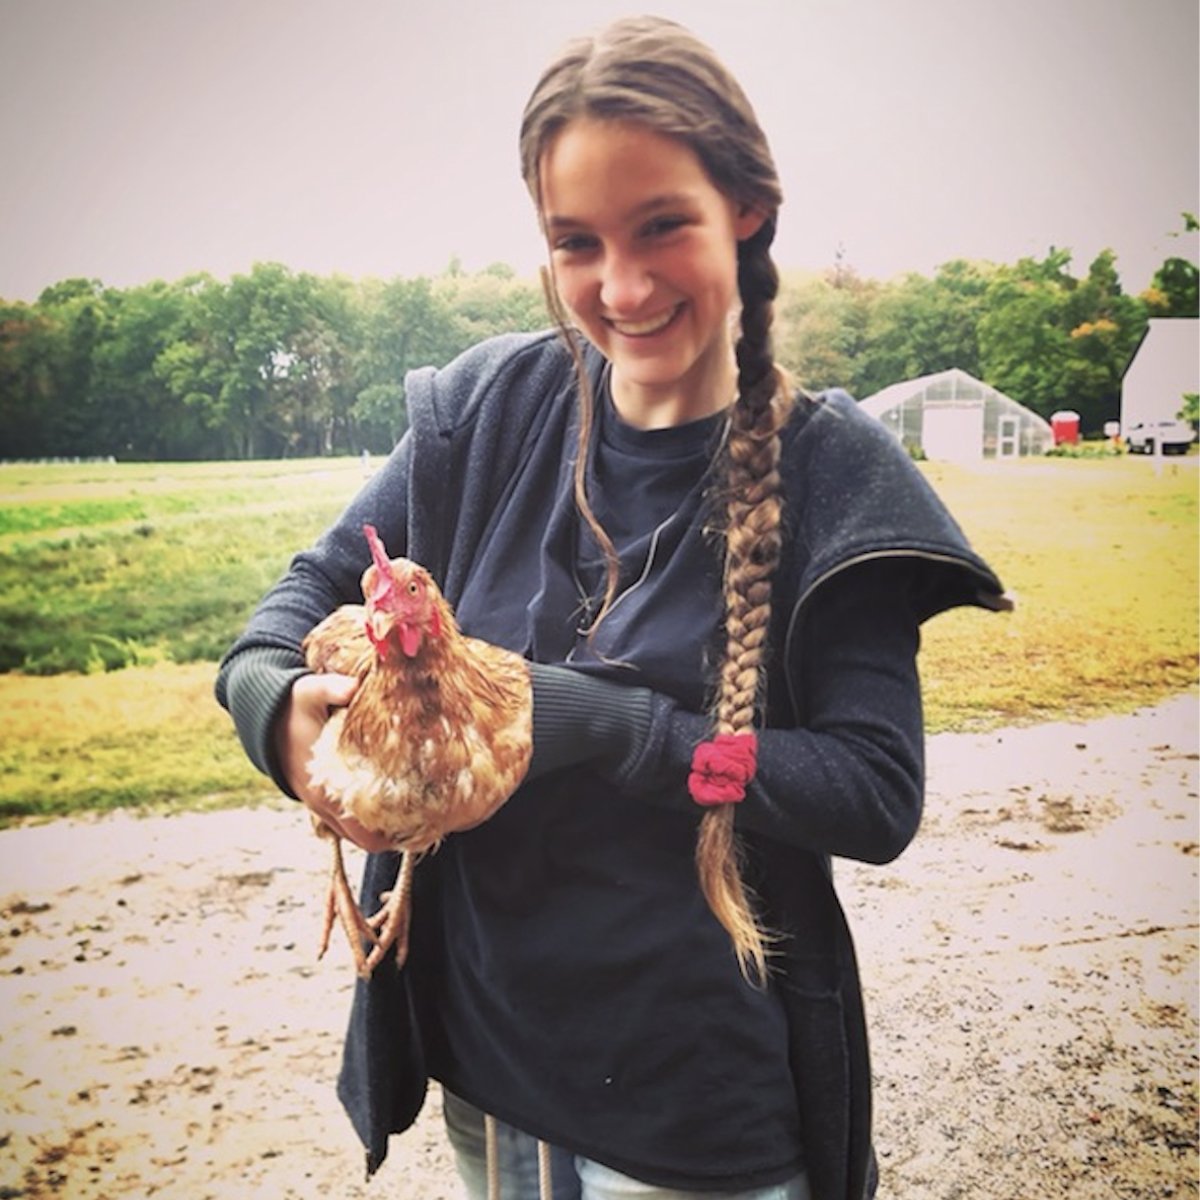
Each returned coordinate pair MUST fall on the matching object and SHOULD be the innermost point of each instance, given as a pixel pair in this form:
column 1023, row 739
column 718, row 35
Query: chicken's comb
column 383, row 567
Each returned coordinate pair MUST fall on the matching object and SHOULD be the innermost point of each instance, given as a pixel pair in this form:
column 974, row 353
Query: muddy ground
column 1030, row 962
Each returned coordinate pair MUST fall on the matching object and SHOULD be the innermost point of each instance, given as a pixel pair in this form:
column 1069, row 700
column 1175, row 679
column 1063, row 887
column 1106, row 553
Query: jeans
column 574, row 1178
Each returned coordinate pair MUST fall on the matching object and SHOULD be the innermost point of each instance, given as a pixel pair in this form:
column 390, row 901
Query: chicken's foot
column 389, row 926
column 341, row 906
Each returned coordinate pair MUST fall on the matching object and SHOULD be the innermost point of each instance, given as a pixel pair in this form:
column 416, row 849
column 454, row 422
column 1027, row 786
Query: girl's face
column 643, row 249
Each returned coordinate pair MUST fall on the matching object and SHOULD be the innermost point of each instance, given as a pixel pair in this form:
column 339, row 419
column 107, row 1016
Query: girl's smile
column 644, row 256
column 645, row 328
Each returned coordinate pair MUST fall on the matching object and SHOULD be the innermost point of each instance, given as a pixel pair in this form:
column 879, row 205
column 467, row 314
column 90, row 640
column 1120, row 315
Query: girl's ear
column 747, row 221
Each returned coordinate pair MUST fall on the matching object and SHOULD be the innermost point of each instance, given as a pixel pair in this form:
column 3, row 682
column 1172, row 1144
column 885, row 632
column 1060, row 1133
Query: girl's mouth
column 648, row 327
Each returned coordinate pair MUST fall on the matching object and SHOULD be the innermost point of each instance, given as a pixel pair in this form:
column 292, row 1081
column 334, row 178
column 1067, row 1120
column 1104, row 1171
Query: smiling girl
column 639, row 962
column 644, row 257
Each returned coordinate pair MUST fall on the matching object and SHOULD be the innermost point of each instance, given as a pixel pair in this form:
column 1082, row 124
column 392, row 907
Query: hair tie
column 722, row 767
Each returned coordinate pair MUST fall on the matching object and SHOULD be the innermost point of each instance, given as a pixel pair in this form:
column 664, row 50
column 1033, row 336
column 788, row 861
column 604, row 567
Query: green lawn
column 152, row 568
column 106, row 566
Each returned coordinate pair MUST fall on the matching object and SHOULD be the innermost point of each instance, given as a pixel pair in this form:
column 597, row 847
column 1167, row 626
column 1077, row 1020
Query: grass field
column 113, row 565
column 153, row 568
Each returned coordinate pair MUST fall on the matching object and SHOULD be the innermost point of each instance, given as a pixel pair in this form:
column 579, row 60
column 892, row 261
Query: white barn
column 954, row 416
column 1165, row 365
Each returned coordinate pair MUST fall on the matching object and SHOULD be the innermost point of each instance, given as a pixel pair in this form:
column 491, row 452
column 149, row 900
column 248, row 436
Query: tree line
column 279, row 363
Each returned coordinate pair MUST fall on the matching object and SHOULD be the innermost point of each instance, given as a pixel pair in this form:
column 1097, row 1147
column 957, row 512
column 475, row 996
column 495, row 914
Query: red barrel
column 1065, row 427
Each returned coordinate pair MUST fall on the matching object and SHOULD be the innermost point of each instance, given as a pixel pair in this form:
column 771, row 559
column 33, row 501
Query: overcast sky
column 146, row 139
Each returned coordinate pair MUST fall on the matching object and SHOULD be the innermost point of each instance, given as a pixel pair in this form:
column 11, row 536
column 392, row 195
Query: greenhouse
column 955, row 417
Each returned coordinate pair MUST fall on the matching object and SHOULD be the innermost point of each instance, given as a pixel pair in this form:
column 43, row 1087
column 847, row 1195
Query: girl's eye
column 574, row 243
column 660, row 226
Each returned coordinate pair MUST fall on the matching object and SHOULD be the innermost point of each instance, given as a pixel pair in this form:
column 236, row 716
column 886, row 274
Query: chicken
column 436, row 737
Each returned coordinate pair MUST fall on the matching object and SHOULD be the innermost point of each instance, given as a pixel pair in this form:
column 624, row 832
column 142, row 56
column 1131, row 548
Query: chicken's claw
column 390, row 924
column 340, row 905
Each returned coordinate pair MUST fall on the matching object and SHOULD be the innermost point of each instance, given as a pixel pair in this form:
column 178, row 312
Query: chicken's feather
column 340, row 643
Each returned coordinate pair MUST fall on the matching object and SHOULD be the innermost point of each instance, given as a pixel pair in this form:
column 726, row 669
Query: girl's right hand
column 297, row 728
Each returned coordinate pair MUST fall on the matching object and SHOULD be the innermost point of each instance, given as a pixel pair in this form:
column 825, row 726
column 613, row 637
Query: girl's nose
column 625, row 285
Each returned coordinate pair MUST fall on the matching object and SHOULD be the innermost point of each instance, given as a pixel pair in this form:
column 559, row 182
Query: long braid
column 749, row 479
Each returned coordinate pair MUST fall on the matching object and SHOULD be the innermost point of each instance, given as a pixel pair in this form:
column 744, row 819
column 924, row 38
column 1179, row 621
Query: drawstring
column 545, row 1181
column 493, row 1167
column 545, row 1184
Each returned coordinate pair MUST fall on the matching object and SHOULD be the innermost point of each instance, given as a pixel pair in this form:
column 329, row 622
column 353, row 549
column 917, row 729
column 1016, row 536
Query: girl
column 640, row 960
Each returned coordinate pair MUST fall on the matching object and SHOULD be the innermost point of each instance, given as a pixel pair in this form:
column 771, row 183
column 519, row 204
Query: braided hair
column 653, row 72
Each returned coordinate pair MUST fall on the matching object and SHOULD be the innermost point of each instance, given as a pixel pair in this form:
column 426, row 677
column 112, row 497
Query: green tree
column 29, row 346
column 75, row 312
column 403, row 325
column 822, row 327
column 144, row 418
column 1175, row 289
column 487, row 303
column 1024, row 343
column 1106, row 326
column 920, row 326
column 1052, row 341
column 196, row 366
column 311, row 373
column 251, row 363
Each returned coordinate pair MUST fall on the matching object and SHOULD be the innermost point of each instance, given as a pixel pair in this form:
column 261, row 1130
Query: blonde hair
column 654, row 72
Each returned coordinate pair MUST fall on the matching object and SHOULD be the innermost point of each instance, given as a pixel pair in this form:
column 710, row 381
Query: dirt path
column 1031, row 966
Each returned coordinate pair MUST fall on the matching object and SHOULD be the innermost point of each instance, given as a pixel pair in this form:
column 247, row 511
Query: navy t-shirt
column 577, row 985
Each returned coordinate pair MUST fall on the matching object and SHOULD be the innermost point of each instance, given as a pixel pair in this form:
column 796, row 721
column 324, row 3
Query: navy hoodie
column 481, row 431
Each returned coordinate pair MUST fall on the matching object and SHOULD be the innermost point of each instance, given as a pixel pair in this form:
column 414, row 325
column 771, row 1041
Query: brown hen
column 437, row 736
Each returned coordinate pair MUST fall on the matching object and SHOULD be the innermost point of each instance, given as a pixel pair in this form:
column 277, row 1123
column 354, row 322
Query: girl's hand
column 297, row 728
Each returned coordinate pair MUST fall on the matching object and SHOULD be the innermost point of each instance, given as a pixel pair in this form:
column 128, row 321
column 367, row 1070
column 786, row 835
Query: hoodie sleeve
column 850, row 782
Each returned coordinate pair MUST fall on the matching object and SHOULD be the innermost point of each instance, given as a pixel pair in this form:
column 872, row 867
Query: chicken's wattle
column 410, row 639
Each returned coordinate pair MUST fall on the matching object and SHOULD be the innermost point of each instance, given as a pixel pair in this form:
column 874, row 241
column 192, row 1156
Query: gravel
column 1030, row 966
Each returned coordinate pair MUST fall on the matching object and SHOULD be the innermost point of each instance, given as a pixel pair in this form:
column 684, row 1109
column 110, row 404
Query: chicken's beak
column 377, row 629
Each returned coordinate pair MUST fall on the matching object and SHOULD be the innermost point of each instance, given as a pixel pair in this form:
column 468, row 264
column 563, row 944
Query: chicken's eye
column 412, row 587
